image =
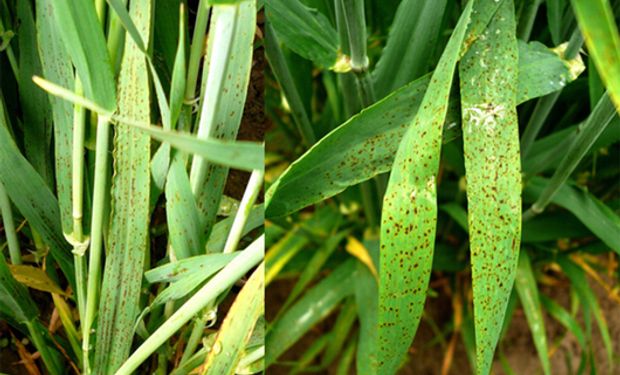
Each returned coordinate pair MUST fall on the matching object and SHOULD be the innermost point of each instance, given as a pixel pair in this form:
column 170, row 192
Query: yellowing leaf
column 358, row 250
column 35, row 278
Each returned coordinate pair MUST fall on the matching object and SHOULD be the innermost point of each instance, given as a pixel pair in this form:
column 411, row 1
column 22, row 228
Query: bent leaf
column 365, row 145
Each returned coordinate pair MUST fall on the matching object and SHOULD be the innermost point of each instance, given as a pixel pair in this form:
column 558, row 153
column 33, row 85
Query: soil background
column 517, row 346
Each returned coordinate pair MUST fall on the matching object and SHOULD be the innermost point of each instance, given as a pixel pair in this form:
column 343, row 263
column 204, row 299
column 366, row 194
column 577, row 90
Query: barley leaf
column 304, row 30
column 185, row 234
column 57, row 68
column 410, row 212
column 594, row 214
column 237, row 327
column 525, row 284
column 409, row 46
column 596, row 21
column 81, row 31
column 34, row 104
column 316, row 304
column 227, row 72
column 488, row 83
column 33, row 198
column 365, row 145
column 128, row 239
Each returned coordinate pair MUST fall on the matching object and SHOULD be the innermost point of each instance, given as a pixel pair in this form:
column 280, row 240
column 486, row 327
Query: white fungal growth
column 430, row 183
column 485, row 115
column 413, row 194
column 483, row 64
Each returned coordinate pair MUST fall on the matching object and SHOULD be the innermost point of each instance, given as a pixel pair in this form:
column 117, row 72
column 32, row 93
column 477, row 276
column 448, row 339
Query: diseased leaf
column 35, row 278
column 79, row 27
column 488, row 79
column 410, row 212
column 57, row 67
column 128, row 241
column 34, row 104
column 33, row 198
column 364, row 146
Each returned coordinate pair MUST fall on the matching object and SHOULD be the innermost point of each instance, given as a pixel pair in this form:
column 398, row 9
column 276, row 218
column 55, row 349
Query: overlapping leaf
column 365, row 145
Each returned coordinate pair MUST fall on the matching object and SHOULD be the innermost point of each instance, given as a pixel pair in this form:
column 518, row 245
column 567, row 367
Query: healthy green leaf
column 174, row 271
column 525, row 284
column 304, row 30
column 16, row 301
column 596, row 21
column 33, row 198
column 318, row 302
column 594, row 214
column 409, row 46
column 488, row 79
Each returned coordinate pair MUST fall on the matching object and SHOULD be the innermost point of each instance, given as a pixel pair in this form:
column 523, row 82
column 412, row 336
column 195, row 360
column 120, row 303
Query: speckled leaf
column 410, row 213
column 225, row 108
column 128, row 235
column 79, row 27
column 365, row 145
column 57, row 68
column 33, row 198
column 304, row 30
column 488, row 82
column 596, row 21
column 237, row 327
column 34, row 103
column 199, row 264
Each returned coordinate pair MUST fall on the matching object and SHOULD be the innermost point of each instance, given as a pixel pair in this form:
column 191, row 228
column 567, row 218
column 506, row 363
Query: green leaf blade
column 128, row 235
column 410, row 212
column 488, row 79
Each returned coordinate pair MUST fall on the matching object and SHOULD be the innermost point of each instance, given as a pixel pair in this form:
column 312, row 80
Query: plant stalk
column 600, row 117
column 223, row 39
column 207, row 294
column 96, row 231
column 196, row 49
